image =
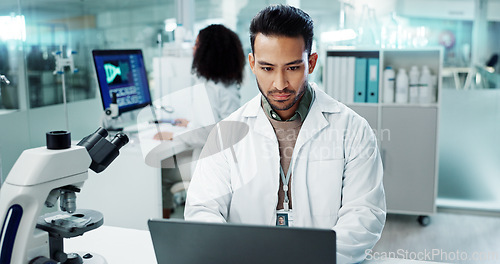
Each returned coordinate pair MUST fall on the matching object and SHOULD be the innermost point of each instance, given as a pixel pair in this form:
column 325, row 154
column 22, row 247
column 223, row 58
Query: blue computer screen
column 122, row 72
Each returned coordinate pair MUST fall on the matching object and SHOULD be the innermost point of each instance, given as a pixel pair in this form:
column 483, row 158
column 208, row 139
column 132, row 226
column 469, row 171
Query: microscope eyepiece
column 120, row 140
column 91, row 140
column 102, row 151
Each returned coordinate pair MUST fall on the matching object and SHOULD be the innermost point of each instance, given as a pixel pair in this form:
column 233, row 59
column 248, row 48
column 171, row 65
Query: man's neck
column 287, row 114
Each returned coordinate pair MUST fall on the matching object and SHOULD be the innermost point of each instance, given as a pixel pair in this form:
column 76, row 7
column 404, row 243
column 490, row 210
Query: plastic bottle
column 426, row 86
column 434, row 88
column 389, row 80
column 402, row 86
column 113, row 111
column 414, row 85
column 179, row 33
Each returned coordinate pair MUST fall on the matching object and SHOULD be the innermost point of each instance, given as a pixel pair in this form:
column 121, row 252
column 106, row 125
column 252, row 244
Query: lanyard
column 285, row 180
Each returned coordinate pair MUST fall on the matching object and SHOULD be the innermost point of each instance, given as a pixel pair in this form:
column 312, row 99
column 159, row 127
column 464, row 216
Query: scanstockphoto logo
column 435, row 254
column 383, row 134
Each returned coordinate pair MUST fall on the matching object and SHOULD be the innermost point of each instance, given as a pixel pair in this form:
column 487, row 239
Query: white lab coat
column 336, row 175
column 224, row 100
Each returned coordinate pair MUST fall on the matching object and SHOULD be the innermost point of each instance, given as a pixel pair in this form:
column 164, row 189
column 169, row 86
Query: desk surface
column 7, row 111
column 117, row 245
column 122, row 245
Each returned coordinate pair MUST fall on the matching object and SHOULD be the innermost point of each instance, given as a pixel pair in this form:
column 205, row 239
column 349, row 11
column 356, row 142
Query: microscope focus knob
column 43, row 260
column 74, row 258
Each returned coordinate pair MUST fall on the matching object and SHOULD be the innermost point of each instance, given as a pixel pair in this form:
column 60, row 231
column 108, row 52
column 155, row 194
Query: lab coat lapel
column 314, row 123
column 262, row 125
column 315, row 120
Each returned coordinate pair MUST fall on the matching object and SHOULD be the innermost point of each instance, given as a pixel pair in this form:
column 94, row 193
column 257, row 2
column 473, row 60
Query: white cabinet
column 407, row 133
column 410, row 158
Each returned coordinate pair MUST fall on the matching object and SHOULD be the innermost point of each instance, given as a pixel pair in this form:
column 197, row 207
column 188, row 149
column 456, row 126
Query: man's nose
column 280, row 81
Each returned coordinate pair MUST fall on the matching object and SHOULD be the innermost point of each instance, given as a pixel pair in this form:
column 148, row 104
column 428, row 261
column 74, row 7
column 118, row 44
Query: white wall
column 21, row 130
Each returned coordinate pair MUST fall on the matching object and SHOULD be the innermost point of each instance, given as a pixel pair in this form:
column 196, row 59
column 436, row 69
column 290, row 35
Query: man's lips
column 281, row 96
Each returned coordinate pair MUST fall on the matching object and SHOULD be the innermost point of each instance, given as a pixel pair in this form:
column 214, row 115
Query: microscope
column 39, row 178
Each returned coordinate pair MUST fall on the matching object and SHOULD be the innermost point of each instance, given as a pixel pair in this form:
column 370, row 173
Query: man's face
column 281, row 66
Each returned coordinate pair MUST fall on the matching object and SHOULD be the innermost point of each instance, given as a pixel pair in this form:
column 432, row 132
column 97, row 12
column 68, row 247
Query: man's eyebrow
column 265, row 63
column 290, row 63
column 295, row 62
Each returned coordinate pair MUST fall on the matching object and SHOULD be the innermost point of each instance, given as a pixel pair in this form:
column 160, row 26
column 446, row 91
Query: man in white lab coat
column 292, row 155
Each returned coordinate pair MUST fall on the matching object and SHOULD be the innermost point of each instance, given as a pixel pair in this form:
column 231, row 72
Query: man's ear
column 313, row 58
column 251, row 61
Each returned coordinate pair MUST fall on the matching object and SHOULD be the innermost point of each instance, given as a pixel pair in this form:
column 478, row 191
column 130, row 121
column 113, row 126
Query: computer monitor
column 122, row 72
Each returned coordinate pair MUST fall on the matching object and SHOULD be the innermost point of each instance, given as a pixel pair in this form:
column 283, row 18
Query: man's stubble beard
column 286, row 107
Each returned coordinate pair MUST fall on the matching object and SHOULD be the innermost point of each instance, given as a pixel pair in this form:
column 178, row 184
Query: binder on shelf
column 372, row 81
column 336, row 78
column 351, row 68
column 360, row 80
column 343, row 80
column 328, row 76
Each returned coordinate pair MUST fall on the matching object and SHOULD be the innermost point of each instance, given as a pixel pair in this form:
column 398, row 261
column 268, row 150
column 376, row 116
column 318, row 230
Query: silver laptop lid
column 181, row 242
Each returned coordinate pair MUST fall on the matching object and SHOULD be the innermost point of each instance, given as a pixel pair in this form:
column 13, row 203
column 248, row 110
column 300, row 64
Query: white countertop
column 117, row 245
column 7, row 111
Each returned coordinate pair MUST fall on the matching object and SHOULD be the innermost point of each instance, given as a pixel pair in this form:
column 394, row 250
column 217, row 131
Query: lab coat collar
column 314, row 121
column 325, row 103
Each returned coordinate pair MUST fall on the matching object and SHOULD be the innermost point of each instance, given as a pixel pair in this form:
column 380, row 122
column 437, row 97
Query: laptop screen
column 181, row 242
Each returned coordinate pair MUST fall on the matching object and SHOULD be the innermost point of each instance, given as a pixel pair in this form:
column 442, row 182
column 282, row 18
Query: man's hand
column 163, row 136
column 181, row 122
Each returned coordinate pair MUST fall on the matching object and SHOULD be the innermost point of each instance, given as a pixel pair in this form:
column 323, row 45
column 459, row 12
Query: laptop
column 182, row 242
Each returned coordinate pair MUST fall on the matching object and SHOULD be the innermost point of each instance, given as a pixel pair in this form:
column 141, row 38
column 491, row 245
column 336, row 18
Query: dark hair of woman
column 218, row 55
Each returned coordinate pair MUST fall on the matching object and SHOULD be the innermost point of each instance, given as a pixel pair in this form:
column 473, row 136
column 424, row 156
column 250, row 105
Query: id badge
column 284, row 218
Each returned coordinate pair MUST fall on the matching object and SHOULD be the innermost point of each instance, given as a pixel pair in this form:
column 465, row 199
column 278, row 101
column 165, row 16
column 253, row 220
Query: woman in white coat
column 218, row 63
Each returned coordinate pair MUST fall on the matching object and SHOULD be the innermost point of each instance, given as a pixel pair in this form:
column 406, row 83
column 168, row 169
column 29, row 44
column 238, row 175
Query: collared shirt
column 302, row 109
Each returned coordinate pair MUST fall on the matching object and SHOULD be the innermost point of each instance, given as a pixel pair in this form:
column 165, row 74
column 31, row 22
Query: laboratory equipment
column 414, row 85
column 61, row 63
column 425, row 89
column 122, row 72
column 40, row 177
column 389, row 78
column 390, row 33
column 113, row 111
column 123, row 82
column 4, row 79
column 368, row 30
column 402, row 83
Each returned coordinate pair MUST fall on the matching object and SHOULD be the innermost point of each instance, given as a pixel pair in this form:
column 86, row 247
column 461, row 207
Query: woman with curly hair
column 218, row 62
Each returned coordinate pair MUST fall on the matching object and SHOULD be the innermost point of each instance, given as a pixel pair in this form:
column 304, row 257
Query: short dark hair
column 219, row 55
column 283, row 20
